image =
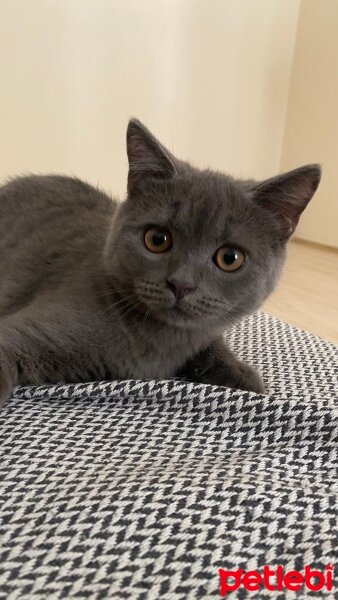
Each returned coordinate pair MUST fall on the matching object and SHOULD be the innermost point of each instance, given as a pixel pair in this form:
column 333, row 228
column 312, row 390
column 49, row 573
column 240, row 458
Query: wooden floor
column 307, row 295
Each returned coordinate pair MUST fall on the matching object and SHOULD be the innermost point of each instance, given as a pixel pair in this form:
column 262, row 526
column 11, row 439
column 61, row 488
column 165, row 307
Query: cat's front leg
column 36, row 347
column 217, row 365
column 8, row 376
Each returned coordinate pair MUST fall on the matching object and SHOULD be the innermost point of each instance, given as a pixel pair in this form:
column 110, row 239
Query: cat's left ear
column 287, row 195
column 147, row 157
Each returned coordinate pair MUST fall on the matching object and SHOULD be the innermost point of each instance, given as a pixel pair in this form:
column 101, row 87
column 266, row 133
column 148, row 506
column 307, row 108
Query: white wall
column 311, row 133
column 211, row 79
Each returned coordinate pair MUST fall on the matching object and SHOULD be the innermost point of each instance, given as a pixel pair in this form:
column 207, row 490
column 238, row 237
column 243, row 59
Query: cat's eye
column 157, row 239
column 229, row 259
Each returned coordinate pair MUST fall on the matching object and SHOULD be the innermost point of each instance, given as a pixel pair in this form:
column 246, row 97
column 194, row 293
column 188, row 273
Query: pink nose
column 179, row 288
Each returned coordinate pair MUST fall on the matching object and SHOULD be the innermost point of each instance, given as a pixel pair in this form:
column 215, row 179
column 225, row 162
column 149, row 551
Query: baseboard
column 303, row 242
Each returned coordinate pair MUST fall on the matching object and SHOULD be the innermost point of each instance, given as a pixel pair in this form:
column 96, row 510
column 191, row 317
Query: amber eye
column 229, row 259
column 158, row 239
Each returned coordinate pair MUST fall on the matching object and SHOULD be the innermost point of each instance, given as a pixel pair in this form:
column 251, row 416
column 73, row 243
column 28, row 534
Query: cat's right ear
column 148, row 159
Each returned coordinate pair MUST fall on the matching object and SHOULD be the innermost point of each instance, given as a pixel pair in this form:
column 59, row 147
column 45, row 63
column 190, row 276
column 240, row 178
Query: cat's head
column 198, row 248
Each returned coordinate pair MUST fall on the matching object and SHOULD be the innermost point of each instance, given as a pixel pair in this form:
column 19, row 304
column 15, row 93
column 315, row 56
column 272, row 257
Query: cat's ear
column 147, row 157
column 287, row 195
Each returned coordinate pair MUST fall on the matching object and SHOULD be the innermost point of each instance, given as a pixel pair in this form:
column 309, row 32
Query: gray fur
column 81, row 298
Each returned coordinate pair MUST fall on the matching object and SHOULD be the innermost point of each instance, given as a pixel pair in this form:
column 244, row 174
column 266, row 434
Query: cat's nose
column 180, row 288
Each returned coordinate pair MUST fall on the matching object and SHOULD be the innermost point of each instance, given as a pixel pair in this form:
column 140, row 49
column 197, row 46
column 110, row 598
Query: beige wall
column 211, row 78
column 311, row 133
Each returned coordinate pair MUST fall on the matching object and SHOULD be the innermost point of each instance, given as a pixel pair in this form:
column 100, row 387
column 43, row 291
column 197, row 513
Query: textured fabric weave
column 142, row 490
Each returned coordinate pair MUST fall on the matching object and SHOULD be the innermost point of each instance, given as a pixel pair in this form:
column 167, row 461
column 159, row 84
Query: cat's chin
column 177, row 316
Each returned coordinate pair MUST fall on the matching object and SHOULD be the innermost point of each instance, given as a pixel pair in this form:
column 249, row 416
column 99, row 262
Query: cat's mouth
column 178, row 314
column 181, row 309
column 165, row 308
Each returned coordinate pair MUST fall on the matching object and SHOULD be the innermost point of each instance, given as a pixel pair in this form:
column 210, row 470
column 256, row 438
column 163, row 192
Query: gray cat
column 95, row 289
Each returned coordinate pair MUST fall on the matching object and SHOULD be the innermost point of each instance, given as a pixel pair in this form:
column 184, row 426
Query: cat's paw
column 217, row 365
column 239, row 376
column 246, row 378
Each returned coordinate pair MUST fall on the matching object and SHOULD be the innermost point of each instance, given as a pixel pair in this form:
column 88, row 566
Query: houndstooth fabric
column 142, row 490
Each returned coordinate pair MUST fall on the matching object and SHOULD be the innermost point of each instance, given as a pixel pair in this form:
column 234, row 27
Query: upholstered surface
column 144, row 490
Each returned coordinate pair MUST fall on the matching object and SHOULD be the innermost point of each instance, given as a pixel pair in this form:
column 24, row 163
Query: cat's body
column 83, row 298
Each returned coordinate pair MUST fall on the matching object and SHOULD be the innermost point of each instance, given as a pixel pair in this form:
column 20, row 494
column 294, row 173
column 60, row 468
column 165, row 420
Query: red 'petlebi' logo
column 276, row 579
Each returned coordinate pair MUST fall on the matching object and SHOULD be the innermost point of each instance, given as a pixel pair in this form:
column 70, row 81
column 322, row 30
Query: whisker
column 131, row 307
column 111, row 291
column 122, row 304
column 125, row 299
column 146, row 314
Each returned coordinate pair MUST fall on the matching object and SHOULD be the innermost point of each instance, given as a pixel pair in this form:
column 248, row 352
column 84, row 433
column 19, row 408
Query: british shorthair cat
column 93, row 289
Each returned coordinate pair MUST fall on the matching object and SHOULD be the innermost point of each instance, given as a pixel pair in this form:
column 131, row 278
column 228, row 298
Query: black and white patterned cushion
column 142, row 490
